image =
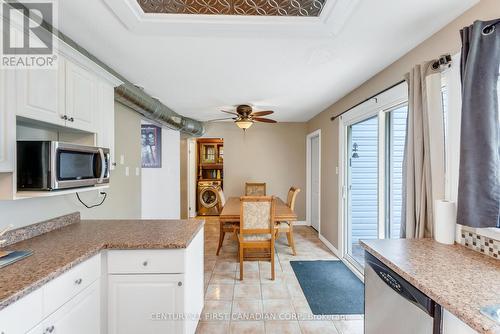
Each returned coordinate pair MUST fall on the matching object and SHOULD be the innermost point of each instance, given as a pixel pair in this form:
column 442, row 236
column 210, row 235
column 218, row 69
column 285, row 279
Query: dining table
column 231, row 211
column 231, row 214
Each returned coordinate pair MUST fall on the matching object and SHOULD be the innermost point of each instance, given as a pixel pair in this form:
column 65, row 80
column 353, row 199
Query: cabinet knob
column 64, row 117
column 78, row 281
column 145, row 263
column 179, row 283
column 71, row 119
column 49, row 329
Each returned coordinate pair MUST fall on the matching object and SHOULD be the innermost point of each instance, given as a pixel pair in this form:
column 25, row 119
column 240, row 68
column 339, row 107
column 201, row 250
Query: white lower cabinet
column 81, row 315
column 155, row 291
column 146, row 304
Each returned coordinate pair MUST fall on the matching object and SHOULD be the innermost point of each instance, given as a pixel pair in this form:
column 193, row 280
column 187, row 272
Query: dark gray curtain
column 479, row 182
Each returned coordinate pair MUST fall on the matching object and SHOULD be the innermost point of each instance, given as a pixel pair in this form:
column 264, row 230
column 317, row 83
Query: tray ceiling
column 309, row 8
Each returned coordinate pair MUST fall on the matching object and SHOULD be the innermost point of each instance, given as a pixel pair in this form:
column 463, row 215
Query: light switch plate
column 137, row 171
column 122, row 159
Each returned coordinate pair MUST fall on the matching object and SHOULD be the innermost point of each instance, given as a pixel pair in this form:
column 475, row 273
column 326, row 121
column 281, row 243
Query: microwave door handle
column 103, row 166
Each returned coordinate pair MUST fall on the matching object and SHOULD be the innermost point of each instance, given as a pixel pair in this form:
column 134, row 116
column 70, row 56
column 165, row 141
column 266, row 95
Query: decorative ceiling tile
column 309, row 8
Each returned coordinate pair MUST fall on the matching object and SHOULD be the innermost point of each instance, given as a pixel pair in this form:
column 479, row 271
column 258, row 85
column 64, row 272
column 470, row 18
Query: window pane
column 397, row 135
column 363, row 185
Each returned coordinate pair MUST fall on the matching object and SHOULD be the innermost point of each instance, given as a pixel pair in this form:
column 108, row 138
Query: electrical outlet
column 127, row 171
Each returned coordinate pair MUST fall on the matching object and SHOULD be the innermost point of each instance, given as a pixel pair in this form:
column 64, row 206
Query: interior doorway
column 314, row 180
column 191, row 182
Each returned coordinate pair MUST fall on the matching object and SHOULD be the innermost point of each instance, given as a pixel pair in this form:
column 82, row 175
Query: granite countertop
column 59, row 250
column 459, row 279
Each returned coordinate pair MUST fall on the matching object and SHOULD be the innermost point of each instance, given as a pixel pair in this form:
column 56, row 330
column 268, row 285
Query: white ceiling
column 298, row 67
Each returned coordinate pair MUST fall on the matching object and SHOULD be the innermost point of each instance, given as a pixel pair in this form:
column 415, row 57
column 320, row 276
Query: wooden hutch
column 210, row 159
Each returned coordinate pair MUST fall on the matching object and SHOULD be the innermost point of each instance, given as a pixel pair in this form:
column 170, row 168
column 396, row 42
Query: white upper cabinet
column 41, row 94
column 7, row 123
column 81, row 98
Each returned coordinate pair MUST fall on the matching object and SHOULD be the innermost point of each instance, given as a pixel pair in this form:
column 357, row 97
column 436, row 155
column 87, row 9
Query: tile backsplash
column 481, row 243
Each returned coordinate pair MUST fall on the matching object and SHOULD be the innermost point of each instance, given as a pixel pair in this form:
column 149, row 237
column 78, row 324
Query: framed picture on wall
column 151, row 146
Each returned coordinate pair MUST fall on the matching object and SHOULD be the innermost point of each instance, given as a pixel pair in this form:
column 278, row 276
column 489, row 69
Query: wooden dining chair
column 287, row 227
column 255, row 189
column 256, row 227
column 224, row 227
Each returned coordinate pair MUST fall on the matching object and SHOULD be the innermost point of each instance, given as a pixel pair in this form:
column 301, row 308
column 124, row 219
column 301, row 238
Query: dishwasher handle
column 401, row 286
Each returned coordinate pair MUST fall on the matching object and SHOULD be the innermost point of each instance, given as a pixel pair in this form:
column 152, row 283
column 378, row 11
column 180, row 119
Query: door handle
column 103, row 165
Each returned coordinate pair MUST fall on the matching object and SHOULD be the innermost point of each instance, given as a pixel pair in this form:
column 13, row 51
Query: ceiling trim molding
column 331, row 21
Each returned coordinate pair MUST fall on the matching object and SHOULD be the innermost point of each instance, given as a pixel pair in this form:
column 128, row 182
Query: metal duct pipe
column 151, row 108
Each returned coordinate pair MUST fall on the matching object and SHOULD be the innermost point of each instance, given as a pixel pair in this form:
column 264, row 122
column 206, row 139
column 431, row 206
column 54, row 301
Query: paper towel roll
column 445, row 219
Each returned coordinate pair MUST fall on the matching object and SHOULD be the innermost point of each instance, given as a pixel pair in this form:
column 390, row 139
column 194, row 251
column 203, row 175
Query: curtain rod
column 443, row 61
column 368, row 99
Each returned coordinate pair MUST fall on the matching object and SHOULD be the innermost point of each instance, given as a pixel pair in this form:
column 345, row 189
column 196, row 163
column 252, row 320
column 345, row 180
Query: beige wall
column 124, row 195
column 445, row 41
column 271, row 153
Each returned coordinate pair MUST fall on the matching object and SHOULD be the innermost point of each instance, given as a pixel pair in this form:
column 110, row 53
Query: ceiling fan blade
column 262, row 113
column 265, row 120
column 230, row 112
column 221, row 119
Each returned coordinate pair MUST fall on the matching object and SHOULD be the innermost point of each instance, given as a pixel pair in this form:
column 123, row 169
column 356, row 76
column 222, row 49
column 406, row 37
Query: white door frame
column 313, row 134
column 191, row 175
column 375, row 107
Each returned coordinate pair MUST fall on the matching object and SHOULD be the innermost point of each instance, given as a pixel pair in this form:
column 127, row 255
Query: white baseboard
column 330, row 246
column 301, row 223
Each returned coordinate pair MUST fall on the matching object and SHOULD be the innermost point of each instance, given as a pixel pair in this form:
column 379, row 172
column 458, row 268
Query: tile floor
column 257, row 304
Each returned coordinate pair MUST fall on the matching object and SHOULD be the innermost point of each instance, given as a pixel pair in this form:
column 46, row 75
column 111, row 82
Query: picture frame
column 151, row 146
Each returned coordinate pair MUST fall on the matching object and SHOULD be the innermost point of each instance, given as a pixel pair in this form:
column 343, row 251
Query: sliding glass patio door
column 373, row 138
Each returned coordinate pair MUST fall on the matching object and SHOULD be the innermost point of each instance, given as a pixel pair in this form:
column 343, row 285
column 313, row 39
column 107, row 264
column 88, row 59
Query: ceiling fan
column 245, row 116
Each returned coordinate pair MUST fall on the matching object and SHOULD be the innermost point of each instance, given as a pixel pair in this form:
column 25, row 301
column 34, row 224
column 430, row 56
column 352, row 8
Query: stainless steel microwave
column 53, row 165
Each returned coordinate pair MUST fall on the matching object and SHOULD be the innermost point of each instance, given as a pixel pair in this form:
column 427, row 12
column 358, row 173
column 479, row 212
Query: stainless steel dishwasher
column 392, row 305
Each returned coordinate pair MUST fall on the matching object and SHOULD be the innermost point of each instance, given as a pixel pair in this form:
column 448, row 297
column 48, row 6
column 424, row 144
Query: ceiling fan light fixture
column 244, row 124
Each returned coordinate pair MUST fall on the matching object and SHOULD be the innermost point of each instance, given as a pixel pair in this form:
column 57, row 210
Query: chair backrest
column 255, row 189
column 292, row 196
column 221, row 199
column 257, row 214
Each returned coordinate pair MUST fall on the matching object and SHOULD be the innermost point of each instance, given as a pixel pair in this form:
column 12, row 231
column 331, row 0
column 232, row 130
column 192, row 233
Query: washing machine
column 207, row 198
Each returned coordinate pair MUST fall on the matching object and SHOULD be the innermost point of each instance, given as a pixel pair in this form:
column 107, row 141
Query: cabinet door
column 81, row 315
column 7, row 121
column 41, row 94
column 80, row 98
column 106, row 110
column 145, row 304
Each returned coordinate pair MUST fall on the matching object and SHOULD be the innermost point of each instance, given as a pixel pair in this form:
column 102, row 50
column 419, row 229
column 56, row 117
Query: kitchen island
column 121, row 260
